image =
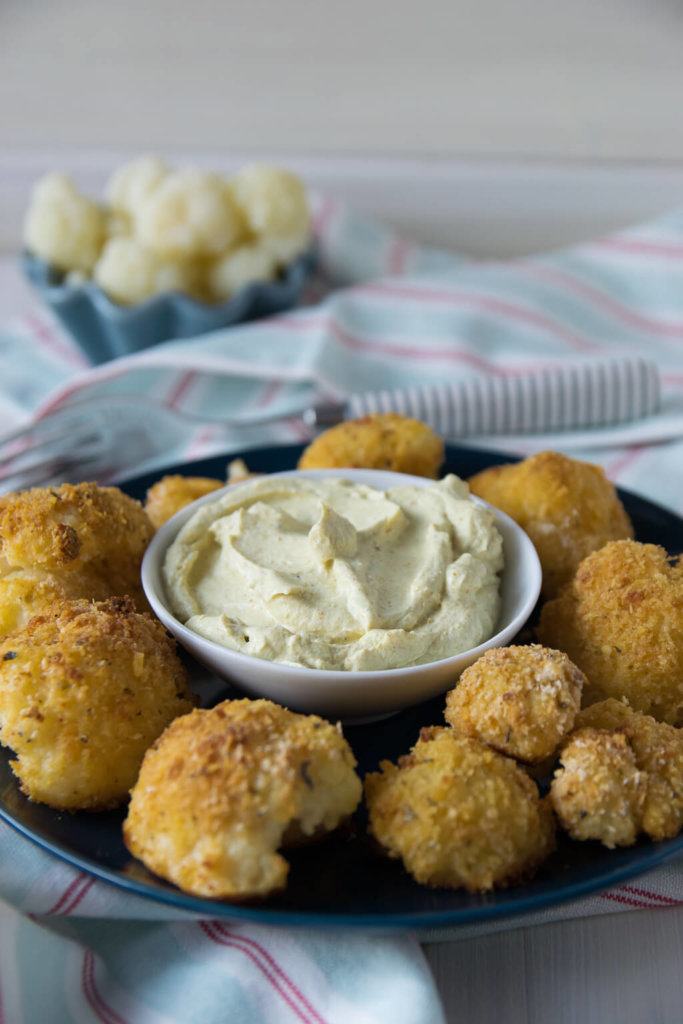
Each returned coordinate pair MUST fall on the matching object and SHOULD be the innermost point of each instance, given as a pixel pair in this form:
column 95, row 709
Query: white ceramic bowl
column 339, row 693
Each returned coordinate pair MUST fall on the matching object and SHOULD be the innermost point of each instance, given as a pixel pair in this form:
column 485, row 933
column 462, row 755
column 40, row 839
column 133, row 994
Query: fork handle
column 594, row 394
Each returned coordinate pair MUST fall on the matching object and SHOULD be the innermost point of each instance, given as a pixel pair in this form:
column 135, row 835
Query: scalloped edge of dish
column 105, row 330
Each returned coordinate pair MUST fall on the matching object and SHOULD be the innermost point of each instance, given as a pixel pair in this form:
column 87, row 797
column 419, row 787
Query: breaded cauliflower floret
column 378, row 441
column 658, row 751
column 621, row 621
column 84, row 691
column 520, row 700
column 28, row 592
column 599, row 792
column 609, row 715
column 459, row 814
column 129, row 273
column 190, row 214
column 273, row 201
column 567, row 507
column 62, row 226
column 168, row 495
column 222, row 790
column 242, row 266
column 131, row 185
column 75, row 540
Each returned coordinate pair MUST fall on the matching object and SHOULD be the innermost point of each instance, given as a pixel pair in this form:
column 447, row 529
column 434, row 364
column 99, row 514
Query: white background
column 487, row 125
column 585, row 80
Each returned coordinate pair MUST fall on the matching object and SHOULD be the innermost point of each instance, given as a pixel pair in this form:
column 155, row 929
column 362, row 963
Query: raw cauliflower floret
column 117, row 224
column 191, row 214
column 62, row 226
column 242, row 266
column 76, row 278
column 273, row 201
column 129, row 273
column 286, row 248
column 131, row 185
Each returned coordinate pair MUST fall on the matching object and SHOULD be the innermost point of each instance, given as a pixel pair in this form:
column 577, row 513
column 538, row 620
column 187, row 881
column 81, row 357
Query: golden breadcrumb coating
column 378, row 441
column 520, row 700
column 222, row 790
column 168, row 495
column 28, row 592
column 84, row 691
column 459, row 814
column 599, row 793
column 621, row 621
column 658, row 751
column 79, row 540
column 609, row 715
column 567, row 507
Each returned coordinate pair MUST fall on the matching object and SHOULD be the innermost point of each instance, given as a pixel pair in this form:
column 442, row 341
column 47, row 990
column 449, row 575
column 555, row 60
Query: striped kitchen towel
column 443, row 318
column 383, row 313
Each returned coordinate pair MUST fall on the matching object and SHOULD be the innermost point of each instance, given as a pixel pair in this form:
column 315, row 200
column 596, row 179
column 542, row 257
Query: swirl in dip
column 331, row 574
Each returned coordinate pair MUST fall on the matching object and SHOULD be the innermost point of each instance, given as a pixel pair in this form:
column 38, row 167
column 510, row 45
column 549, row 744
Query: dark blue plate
column 346, row 881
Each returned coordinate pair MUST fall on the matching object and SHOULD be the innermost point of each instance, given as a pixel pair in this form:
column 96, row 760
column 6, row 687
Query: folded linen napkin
column 387, row 314
column 391, row 315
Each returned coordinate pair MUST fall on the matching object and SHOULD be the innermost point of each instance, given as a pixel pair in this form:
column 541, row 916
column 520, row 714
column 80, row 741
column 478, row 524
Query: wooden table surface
column 622, row 968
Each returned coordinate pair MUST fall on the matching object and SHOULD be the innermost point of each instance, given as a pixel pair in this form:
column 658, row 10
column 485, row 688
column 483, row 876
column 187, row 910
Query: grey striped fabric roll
column 590, row 394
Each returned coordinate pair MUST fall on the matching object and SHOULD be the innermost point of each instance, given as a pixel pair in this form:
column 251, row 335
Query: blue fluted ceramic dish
column 105, row 330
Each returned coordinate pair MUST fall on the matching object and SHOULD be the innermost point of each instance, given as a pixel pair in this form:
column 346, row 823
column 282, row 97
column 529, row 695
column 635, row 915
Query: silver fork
column 103, row 438
column 100, row 439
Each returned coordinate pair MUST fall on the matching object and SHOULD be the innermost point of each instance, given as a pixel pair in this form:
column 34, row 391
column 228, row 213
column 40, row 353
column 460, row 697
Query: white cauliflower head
column 161, row 230
column 131, row 185
column 117, row 223
column 130, row 273
column 62, row 226
column 190, row 214
column 273, row 201
column 239, row 268
column 285, row 248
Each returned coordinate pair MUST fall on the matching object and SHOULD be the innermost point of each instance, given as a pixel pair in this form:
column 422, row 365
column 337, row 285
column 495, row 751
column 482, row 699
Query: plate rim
column 657, row 854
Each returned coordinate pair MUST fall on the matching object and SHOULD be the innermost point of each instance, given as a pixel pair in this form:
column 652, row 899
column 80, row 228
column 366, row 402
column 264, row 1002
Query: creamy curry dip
column 332, row 574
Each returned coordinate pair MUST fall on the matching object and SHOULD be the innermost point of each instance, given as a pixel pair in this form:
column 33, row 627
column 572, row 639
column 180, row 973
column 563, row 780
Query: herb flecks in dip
column 331, row 574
